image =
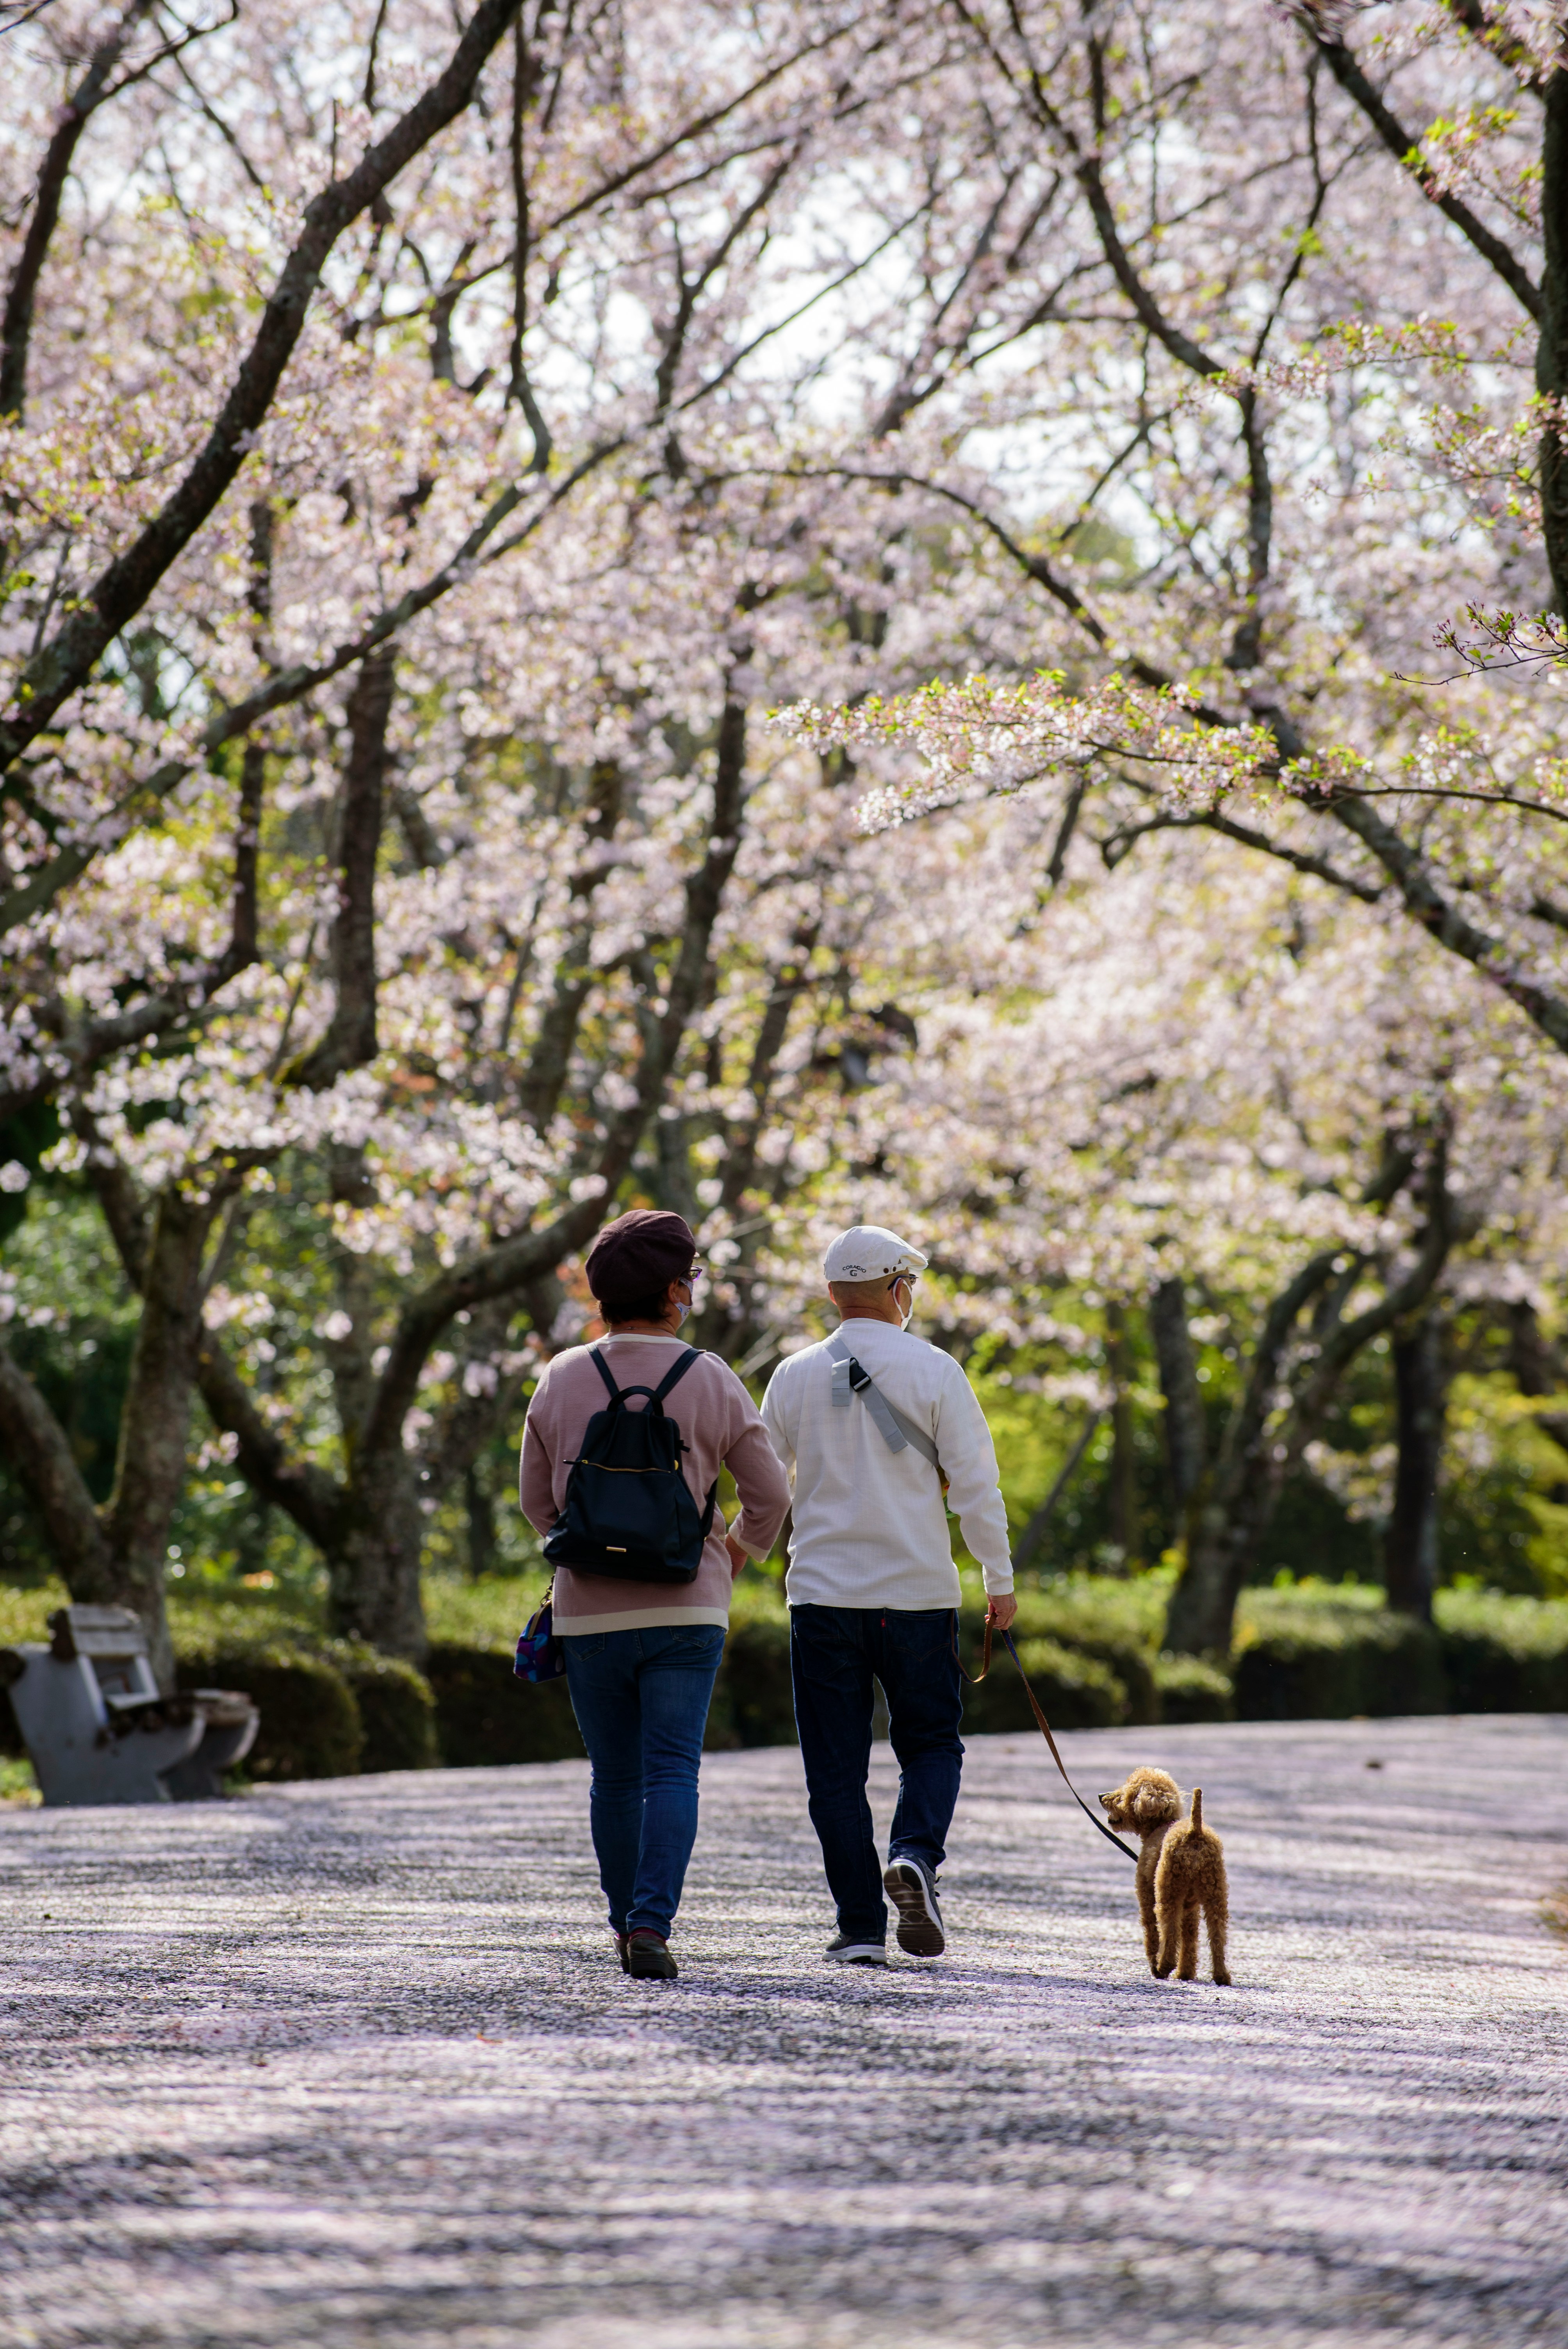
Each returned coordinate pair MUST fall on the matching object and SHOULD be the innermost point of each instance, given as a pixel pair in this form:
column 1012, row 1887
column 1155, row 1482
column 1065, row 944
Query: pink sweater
column 717, row 1421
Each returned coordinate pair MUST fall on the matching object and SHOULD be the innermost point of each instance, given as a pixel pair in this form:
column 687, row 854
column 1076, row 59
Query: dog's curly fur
column 1181, row 1873
column 1189, row 1880
column 1150, row 1802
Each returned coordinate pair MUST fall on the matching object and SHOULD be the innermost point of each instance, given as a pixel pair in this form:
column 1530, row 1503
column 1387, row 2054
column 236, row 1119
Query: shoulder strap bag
column 850, row 1379
column 539, row 1654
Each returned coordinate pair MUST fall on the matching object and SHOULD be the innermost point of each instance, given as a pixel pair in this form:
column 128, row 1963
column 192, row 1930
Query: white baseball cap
column 867, row 1251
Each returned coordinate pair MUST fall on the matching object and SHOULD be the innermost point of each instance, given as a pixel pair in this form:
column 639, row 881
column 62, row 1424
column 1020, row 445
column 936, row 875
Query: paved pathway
column 348, row 2064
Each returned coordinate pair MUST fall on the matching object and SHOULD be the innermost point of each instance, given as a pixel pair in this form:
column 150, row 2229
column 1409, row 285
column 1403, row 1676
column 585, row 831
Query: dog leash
column 1044, row 1726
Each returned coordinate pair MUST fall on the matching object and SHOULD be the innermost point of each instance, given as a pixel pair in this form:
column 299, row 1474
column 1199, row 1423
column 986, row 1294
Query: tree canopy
column 952, row 613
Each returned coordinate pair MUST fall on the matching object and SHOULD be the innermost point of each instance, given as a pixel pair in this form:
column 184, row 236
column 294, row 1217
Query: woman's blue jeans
column 641, row 1700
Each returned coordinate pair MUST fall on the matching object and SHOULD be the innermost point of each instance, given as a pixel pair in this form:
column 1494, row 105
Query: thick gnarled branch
column 63, row 665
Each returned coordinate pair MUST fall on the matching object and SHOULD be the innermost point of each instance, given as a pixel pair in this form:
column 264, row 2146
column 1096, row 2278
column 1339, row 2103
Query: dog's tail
column 1197, row 1810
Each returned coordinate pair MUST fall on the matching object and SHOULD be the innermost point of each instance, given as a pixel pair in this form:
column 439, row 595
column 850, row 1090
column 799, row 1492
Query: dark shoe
column 910, row 1886
column 621, row 1952
column 856, row 1950
column 648, row 1956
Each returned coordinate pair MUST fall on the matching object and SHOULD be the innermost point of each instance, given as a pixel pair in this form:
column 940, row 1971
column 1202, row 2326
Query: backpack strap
column 603, row 1367
column 679, row 1372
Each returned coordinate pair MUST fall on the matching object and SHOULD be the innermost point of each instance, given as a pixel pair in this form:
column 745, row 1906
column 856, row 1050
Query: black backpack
column 629, row 1511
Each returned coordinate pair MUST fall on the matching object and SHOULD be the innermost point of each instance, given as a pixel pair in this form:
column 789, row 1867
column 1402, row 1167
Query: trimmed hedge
column 1084, row 1685
column 754, row 1682
column 1083, row 1629
column 310, row 1725
column 1502, row 1655
column 330, row 1708
column 1076, row 1691
column 1189, row 1688
column 485, row 1715
column 396, row 1707
column 1321, row 1662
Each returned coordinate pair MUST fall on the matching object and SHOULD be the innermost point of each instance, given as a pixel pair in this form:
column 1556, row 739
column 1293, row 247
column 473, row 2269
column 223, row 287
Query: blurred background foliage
column 1504, row 1486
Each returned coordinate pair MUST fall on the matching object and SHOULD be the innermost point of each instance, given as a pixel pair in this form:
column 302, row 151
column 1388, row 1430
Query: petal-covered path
column 348, row 2064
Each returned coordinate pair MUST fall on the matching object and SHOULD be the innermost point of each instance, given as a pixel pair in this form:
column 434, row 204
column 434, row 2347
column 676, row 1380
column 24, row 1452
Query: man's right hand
column 1000, row 1610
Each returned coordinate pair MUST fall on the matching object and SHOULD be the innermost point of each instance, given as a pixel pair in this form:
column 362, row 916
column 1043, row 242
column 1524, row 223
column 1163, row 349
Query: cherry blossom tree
column 416, row 486
column 1203, row 1086
column 1269, row 476
column 179, row 652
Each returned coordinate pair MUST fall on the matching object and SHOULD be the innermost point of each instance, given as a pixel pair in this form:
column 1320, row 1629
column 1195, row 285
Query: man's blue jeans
column 834, row 1654
column 641, row 1700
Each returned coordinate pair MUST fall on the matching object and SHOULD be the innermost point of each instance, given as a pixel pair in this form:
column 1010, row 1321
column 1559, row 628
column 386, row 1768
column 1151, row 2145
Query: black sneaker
column 855, row 1949
column 621, row 1952
column 648, row 1956
column 910, row 1886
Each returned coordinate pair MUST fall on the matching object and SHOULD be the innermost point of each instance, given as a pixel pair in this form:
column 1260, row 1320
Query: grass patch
column 25, row 1614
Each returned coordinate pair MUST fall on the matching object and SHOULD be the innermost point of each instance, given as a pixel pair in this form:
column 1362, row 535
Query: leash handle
column 1043, row 1726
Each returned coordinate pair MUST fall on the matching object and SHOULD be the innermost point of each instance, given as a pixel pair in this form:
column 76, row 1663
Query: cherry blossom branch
column 509, row 1265
column 89, row 94
column 63, row 665
column 350, row 1038
column 308, row 1494
column 981, row 737
column 83, row 1046
column 1504, row 46
column 291, row 685
column 1406, row 150
column 1113, row 847
column 689, row 130
column 1034, row 567
column 1443, row 922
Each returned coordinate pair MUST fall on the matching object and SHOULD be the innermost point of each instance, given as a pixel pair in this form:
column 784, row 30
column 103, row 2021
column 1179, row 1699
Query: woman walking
column 641, row 1648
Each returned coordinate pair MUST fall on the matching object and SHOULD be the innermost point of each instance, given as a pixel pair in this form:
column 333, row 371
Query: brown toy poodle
column 1181, row 1873
column 1151, row 1803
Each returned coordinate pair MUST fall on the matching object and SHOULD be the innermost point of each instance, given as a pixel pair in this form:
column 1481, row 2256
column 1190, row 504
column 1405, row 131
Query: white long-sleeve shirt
column 870, row 1528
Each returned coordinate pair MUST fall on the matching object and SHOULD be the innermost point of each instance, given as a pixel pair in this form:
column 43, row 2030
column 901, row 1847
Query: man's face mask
column 906, row 1310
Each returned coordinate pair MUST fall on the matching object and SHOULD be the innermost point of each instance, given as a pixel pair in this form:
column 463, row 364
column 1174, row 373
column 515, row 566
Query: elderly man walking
column 869, row 1425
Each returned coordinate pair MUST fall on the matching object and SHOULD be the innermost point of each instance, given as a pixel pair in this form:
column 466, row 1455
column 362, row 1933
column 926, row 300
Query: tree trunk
column 1530, row 1357
column 350, row 1041
column 1410, row 1545
column 1244, row 1488
column 1126, row 1530
column 1552, row 349
column 1227, row 1529
column 155, row 1422
column 116, row 1556
column 39, row 1451
column 373, row 1561
column 1186, row 1438
column 482, row 1522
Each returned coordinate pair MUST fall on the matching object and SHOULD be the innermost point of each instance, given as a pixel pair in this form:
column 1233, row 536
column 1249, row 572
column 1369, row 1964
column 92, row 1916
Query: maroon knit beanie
column 639, row 1255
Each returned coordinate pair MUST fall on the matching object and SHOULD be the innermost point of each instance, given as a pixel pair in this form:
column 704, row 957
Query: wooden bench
column 96, row 1728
